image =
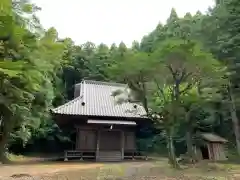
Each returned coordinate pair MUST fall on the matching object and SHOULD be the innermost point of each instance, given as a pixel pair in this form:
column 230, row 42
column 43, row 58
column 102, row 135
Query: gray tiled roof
column 98, row 101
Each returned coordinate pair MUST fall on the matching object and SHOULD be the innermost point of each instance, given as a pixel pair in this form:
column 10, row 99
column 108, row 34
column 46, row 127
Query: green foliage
column 184, row 73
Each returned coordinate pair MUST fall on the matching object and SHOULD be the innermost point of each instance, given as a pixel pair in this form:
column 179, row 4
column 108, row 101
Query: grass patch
column 16, row 158
column 31, row 158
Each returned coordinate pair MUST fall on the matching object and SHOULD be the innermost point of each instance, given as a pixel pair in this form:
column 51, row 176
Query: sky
column 111, row 21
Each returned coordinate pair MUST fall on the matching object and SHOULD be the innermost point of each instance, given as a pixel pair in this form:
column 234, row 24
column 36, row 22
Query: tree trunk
column 145, row 104
column 7, row 127
column 189, row 135
column 190, row 149
column 236, row 129
column 235, row 120
column 144, row 97
column 171, row 150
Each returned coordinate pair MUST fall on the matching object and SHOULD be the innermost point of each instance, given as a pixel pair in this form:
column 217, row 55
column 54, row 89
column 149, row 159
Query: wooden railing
column 90, row 154
column 79, row 154
column 133, row 154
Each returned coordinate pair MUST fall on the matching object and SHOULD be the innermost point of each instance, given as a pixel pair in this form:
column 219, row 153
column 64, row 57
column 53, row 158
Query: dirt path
column 119, row 171
column 41, row 168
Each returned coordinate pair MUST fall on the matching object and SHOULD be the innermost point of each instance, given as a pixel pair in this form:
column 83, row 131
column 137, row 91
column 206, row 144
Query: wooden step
column 110, row 156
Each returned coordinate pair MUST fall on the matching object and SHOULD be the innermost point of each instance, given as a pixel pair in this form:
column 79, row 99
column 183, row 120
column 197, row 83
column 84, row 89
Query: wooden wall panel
column 130, row 141
column 219, row 153
column 86, row 139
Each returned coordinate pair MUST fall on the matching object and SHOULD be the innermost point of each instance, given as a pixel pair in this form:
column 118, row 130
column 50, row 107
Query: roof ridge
column 103, row 83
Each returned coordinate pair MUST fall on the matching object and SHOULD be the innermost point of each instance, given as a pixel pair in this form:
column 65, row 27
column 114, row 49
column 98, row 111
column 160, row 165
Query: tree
column 28, row 65
column 133, row 70
column 182, row 65
column 171, row 72
column 164, row 77
column 14, row 93
column 227, row 15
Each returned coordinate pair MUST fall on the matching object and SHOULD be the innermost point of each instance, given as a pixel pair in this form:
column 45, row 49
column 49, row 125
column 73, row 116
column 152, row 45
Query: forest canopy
column 184, row 72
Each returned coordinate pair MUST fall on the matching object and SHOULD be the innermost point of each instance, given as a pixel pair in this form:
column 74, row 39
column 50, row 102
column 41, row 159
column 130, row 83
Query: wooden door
column 110, row 140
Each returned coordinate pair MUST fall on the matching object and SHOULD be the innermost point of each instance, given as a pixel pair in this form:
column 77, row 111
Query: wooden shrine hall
column 105, row 128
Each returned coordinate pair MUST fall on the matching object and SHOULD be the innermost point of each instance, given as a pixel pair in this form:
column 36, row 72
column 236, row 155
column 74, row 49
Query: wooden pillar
column 98, row 142
column 65, row 156
column 122, row 144
column 77, row 138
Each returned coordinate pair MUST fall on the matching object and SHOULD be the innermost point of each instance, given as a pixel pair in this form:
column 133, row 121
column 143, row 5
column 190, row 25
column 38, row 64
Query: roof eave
column 131, row 117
